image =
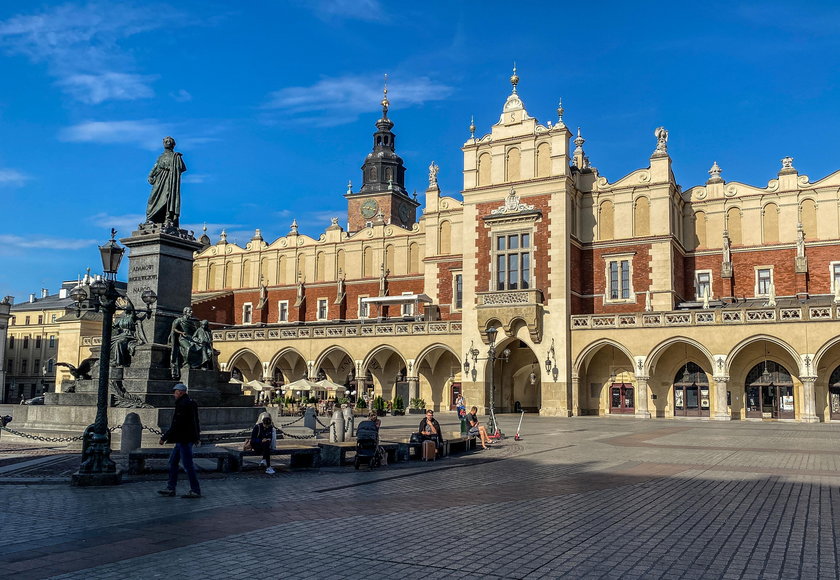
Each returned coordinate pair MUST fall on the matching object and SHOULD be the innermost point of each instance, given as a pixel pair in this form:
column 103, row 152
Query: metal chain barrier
column 152, row 430
column 42, row 438
column 299, row 419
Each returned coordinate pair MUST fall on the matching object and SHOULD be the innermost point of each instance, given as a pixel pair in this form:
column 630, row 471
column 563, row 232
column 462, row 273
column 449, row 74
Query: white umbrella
column 331, row 386
column 300, row 385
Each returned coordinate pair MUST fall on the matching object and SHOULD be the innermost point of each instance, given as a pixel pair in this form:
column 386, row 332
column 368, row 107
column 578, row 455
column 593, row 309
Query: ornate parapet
column 511, row 306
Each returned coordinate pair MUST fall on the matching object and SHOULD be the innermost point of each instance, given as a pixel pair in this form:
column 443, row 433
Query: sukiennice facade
column 633, row 297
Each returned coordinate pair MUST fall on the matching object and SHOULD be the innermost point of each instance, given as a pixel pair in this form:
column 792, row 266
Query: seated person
column 263, row 440
column 430, row 429
column 477, row 429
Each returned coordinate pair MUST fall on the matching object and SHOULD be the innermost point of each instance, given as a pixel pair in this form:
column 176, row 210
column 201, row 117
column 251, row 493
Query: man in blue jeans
column 184, row 433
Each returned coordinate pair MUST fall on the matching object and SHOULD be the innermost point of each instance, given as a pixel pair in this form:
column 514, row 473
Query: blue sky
column 273, row 103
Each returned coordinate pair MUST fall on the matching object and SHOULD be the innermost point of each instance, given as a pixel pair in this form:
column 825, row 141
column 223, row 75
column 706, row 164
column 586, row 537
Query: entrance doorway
column 622, row 398
column 691, row 392
column 768, row 392
column 834, row 394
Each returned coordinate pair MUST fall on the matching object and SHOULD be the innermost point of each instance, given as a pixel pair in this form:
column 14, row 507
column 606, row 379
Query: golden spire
column 385, row 101
column 472, row 126
column 514, row 80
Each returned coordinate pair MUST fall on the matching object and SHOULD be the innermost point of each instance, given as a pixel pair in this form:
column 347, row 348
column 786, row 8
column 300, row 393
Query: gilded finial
column 514, row 80
column 472, row 126
column 560, row 111
column 385, row 101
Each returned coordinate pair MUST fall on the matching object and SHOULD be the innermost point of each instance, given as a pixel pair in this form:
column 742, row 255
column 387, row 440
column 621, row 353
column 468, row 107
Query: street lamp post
column 97, row 467
column 491, row 359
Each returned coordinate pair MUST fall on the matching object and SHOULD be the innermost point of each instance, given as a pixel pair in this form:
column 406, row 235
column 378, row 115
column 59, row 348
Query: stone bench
column 299, row 456
column 336, row 453
column 226, row 460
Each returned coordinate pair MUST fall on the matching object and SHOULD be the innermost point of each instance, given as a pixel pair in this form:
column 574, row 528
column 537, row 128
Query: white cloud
column 181, row 96
column 96, row 88
column 367, row 10
column 12, row 177
column 38, row 241
column 334, row 101
column 146, row 133
column 80, row 44
column 196, row 178
column 124, row 224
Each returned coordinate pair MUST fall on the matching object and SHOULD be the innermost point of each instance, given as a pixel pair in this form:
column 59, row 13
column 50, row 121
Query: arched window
column 513, row 162
column 265, row 271
column 413, row 258
column 733, row 224
column 372, row 175
column 320, row 267
column 699, row 220
column 195, row 277
column 229, row 267
column 339, row 263
column 691, row 392
column 768, row 392
column 641, row 216
column 367, row 262
column 301, row 267
column 770, row 223
column 484, row 169
column 834, row 394
column 389, row 258
column 445, row 238
column 808, row 217
column 543, row 160
column 282, row 265
column 213, row 279
column 247, row 271
column 605, row 220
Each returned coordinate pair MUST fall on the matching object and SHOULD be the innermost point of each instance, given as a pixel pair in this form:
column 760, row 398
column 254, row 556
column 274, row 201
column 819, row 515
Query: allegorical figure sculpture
column 124, row 340
column 165, row 178
column 203, row 346
column 180, row 341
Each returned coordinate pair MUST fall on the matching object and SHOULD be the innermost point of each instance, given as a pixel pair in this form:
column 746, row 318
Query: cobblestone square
column 575, row 498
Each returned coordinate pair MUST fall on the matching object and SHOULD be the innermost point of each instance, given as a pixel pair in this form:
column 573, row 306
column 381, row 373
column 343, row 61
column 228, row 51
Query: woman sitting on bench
column 264, row 440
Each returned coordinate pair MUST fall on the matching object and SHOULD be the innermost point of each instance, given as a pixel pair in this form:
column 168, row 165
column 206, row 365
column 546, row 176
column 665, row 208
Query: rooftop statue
column 164, row 205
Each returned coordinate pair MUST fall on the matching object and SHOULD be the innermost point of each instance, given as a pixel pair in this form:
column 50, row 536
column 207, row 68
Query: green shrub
column 379, row 403
column 417, row 403
column 360, row 403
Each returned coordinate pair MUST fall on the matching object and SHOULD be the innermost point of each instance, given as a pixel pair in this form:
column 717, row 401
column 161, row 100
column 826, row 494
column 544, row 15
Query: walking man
column 184, row 433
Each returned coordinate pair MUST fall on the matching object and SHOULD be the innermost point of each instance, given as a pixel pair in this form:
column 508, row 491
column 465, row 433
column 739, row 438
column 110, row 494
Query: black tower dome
column 383, row 170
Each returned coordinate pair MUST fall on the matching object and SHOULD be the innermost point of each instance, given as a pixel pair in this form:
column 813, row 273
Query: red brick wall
column 641, row 277
column 218, row 310
column 445, row 289
column 541, row 265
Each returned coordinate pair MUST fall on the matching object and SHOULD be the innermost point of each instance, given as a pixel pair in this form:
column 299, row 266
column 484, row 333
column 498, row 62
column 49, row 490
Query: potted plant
column 418, row 406
column 398, row 406
column 379, row 406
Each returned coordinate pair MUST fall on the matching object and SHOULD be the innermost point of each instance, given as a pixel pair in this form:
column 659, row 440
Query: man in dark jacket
column 430, row 429
column 184, row 433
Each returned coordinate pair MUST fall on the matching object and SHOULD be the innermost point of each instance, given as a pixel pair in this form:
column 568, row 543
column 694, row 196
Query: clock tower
column 383, row 183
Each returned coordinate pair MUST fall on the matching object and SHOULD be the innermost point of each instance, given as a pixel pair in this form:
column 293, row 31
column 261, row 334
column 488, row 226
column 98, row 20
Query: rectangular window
column 283, row 311
column 27, row 321
column 40, row 319
column 23, row 364
column 13, row 321
column 322, row 309
column 11, row 342
column 513, row 261
column 459, row 291
column 247, row 313
column 52, row 341
column 53, row 317
column 50, row 366
column 364, row 308
column 835, row 277
column 763, row 280
column 25, row 342
column 11, row 365
column 619, row 278
column 702, row 284
column 36, row 368
column 37, row 342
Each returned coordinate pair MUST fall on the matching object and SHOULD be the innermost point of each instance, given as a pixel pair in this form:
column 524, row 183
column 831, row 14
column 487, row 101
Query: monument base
column 96, row 479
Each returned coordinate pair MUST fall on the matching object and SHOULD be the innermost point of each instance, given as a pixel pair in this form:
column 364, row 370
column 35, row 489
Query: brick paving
column 576, row 498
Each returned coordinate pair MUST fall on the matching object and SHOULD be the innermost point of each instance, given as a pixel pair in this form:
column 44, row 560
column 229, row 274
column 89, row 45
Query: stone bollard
column 132, row 433
column 310, row 421
column 347, row 411
column 337, row 427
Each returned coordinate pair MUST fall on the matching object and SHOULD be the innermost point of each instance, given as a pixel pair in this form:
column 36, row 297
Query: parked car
column 39, row 400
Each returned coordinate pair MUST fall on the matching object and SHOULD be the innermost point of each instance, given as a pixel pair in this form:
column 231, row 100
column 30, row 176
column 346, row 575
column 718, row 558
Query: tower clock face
column 405, row 213
column 369, row 208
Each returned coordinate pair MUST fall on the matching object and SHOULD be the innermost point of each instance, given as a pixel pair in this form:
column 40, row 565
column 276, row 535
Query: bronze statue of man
column 165, row 178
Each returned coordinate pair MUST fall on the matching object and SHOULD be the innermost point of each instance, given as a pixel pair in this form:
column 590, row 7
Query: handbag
column 247, row 445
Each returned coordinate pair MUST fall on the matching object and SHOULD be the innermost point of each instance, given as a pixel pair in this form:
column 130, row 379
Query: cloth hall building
column 634, row 296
